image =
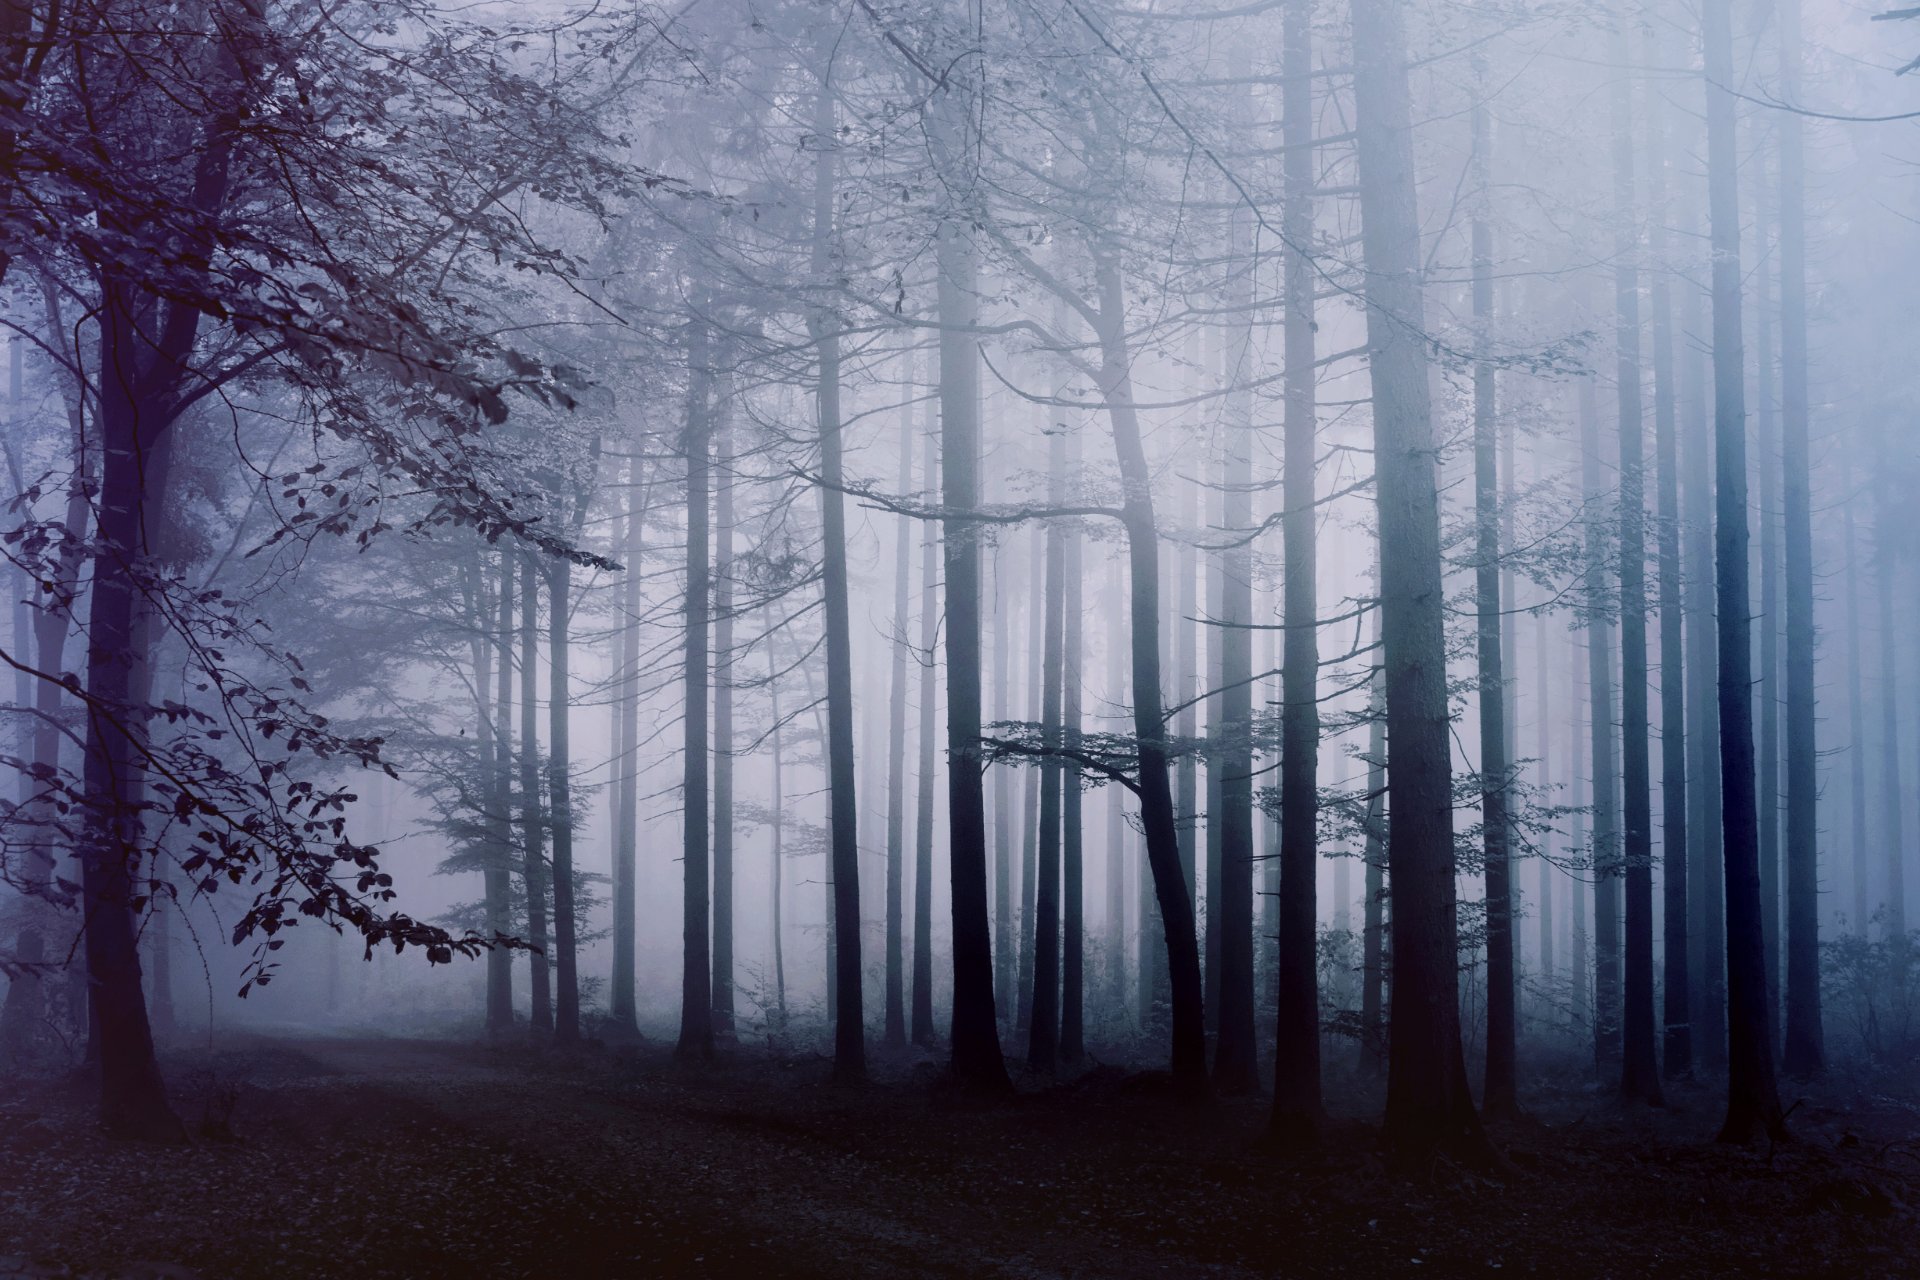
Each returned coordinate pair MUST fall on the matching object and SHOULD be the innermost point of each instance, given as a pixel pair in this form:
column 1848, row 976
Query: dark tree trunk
column 1297, row 1104
column 1640, row 1064
column 1856, row 722
column 977, row 1060
column 696, row 972
column 922, row 1027
column 1170, row 877
column 1043, row 1031
column 1803, row 1053
column 1498, row 1096
column 895, row 1032
column 1030, row 820
column 778, row 870
column 1752, row 1099
column 1003, row 775
column 566, row 998
column 1606, row 815
column 1429, row 1105
column 1674, row 871
column 1886, row 524
column 1767, row 684
column 1073, row 936
column 533, row 820
column 723, row 725
column 134, row 429
column 498, row 877
column 1373, row 913
column 627, row 819
column 1706, row 936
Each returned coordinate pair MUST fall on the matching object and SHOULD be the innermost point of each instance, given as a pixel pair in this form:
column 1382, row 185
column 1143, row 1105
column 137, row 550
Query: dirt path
column 406, row 1158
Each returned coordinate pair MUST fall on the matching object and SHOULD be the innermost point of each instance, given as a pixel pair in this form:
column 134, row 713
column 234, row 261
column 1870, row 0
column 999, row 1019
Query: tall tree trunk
column 977, row 1060
column 1767, row 686
column 133, row 429
column 1543, row 738
column 1004, row 946
column 1752, row 1099
column 1429, row 1105
column 627, row 711
column 723, row 724
column 778, row 871
column 1297, row 1104
column 1580, row 969
column 566, row 1000
column 1118, row 932
column 922, row 1027
column 1640, row 1064
column 1606, row 814
column 1674, row 871
column 1498, row 1096
column 1043, row 1031
column 498, row 876
column 1856, row 721
column 696, row 958
column 1373, row 913
column 1031, row 823
column 1803, row 1053
column 895, row 1033
column 1171, row 877
column 849, row 1040
column 1706, row 924
column 533, row 818
column 1073, row 930
column 1886, row 524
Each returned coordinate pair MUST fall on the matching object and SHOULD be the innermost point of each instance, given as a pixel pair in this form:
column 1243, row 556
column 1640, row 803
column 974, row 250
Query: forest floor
column 415, row 1158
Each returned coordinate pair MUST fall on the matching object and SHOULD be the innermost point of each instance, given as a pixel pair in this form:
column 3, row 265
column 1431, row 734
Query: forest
column 959, row 638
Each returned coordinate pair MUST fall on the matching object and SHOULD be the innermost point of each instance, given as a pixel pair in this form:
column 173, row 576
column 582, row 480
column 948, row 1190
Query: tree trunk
column 1752, row 1100
column 1003, row 775
column 1373, row 959
column 1043, row 1031
column 696, row 972
column 1674, row 871
column 977, row 1061
column 627, row 711
column 1606, row 815
column 778, row 871
column 1073, row 937
column 533, row 821
column 1171, row 877
column 498, row 876
column 723, row 725
column 1803, row 1053
column 566, row 999
column 1429, row 1106
column 1497, row 1096
column 895, row 1033
column 1030, row 824
column 1856, row 722
column 1766, row 687
column 1297, row 1104
column 922, row 1025
column 1640, row 1065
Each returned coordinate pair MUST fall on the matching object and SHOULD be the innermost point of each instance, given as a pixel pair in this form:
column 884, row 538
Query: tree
column 1429, row 1106
column 1752, row 1099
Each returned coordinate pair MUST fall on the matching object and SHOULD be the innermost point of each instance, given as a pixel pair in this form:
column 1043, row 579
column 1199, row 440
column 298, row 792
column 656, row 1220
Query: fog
column 1343, row 560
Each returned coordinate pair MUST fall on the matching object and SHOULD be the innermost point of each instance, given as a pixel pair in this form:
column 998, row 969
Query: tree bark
column 1752, row 1099
column 533, row 819
column 895, row 1027
column 922, row 1027
column 696, row 972
column 1429, row 1105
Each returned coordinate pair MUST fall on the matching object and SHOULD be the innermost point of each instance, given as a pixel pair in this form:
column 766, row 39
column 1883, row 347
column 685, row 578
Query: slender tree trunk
column 1856, row 721
column 778, row 871
column 1498, row 1095
column 1706, row 925
column 1117, row 927
column 533, row 819
column 1031, row 820
column 1373, row 958
column 696, row 966
column 627, row 711
column 1073, row 936
column 895, row 1033
column 1170, row 877
column 1803, row 1053
column 723, row 1001
column 977, row 1060
column 1767, row 686
column 1297, row 1105
column 1674, row 871
column 1543, row 738
column 1003, row 775
column 1043, row 1031
column 566, row 1002
column 1640, row 1065
column 1429, row 1105
column 1606, row 830
column 1580, row 795
column 1893, row 920
column 499, row 870
column 923, row 1030
column 1752, row 1099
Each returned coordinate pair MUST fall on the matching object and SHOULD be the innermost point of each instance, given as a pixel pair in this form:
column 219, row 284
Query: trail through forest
column 418, row 1158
